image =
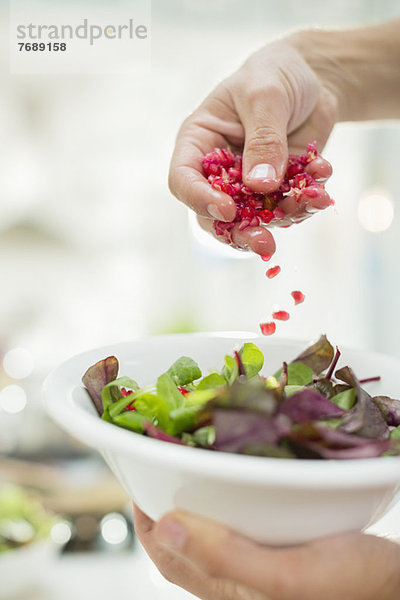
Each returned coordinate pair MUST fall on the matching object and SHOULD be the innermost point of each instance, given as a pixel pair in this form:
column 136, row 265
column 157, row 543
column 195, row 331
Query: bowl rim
column 256, row 470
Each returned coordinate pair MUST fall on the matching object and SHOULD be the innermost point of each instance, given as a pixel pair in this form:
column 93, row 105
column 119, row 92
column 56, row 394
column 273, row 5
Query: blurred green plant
column 23, row 519
column 178, row 324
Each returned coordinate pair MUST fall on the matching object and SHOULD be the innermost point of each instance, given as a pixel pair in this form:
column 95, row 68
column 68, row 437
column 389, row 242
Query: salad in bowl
column 281, row 440
column 306, row 409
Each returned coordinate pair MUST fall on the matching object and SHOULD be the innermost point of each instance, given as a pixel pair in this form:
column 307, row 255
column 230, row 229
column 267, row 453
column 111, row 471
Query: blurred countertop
column 104, row 577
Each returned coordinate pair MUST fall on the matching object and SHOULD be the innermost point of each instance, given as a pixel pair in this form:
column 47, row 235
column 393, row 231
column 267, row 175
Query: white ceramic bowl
column 271, row 500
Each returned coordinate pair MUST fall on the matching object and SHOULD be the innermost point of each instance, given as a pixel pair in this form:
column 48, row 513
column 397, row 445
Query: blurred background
column 95, row 250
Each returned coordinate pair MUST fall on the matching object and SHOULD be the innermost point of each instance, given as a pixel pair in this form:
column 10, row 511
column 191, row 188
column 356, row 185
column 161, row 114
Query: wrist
column 361, row 67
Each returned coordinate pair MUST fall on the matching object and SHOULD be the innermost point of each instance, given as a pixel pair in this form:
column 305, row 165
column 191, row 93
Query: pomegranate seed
column 130, row 406
column 266, row 215
column 297, row 296
column 243, row 224
column 281, row 315
column 273, row 272
column 268, row 328
column 265, row 257
column 293, row 170
column 182, row 390
column 125, row 392
column 255, row 222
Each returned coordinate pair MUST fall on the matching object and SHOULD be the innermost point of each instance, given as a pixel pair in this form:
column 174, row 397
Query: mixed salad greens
column 307, row 409
column 22, row 519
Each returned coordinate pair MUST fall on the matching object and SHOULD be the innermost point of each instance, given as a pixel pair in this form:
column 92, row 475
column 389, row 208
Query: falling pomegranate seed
column 265, row 257
column 281, row 315
column 268, row 328
column 297, row 296
column 273, row 272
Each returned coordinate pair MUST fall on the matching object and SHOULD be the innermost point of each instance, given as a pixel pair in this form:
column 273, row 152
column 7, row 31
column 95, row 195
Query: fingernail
column 215, row 212
column 263, row 171
column 171, row 533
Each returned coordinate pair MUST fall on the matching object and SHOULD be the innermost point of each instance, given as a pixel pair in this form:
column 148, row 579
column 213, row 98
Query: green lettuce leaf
column 199, row 397
column 130, row 420
column 345, row 399
column 292, row 389
column 112, row 391
column 298, row 374
column 252, row 358
column 211, row 381
column 230, row 370
column 166, row 389
column 183, row 419
column 152, row 406
column 184, row 371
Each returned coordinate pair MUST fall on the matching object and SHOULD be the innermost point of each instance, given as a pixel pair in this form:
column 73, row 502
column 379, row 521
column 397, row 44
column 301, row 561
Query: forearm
column 361, row 66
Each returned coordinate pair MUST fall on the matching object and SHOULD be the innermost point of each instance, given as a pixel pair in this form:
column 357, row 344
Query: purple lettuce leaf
column 237, row 429
column 365, row 418
column 390, row 408
column 347, row 375
column 309, row 405
column 373, row 449
column 318, row 356
column 97, row 376
column 158, row 434
column 316, row 440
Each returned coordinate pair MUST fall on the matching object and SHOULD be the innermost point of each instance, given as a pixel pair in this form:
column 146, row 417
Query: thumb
column 265, row 155
column 221, row 553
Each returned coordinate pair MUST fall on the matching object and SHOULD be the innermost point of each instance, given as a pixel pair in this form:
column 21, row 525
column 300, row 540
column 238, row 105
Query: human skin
column 214, row 563
column 288, row 93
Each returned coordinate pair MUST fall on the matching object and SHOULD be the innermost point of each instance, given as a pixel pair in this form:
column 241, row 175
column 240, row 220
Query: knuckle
column 256, row 94
column 263, row 136
column 265, row 93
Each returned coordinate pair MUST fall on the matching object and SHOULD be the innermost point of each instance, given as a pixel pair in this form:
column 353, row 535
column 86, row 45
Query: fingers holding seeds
column 320, row 169
column 256, row 239
column 297, row 209
column 187, row 180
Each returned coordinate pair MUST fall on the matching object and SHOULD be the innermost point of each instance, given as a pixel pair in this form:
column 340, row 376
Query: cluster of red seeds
column 125, row 393
column 223, row 170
